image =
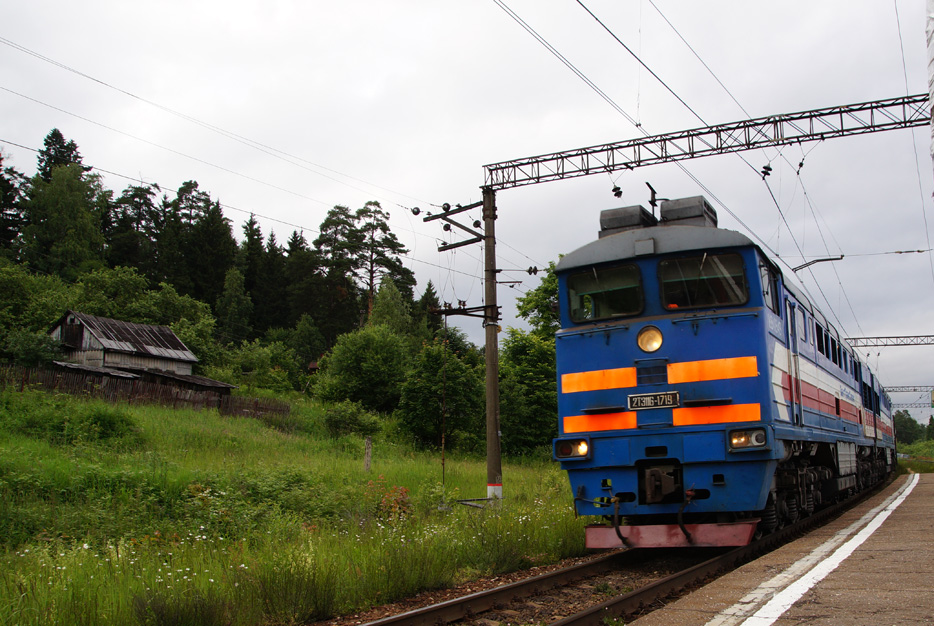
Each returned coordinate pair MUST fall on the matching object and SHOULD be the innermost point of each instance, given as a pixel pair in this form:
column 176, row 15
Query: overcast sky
column 285, row 109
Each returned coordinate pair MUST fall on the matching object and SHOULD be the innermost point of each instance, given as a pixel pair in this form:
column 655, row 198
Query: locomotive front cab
column 663, row 378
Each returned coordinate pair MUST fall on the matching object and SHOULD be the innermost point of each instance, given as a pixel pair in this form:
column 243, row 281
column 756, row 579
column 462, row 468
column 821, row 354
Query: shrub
column 348, row 417
column 443, row 394
column 64, row 422
column 365, row 366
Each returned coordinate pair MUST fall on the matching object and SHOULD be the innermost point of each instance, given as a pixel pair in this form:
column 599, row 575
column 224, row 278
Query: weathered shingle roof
column 133, row 338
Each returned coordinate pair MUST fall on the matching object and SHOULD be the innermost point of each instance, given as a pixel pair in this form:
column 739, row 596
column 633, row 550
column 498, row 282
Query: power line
column 256, row 145
column 224, row 205
column 681, row 100
column 203, row 161
column 924, row 216
column 636, row 57
column 694, row 52
column 166, row 148
column 565, row 61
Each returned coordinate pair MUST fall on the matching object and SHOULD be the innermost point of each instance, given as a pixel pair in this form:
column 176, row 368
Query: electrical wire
column 698, row 57
column 231, row 207
column 901, row 46
column 772, row 195
column 208, row 163
column 636, row 57
column 565, row 61
column 257, row 145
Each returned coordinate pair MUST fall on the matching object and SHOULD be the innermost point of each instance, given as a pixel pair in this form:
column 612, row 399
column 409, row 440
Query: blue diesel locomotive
column 701, row 399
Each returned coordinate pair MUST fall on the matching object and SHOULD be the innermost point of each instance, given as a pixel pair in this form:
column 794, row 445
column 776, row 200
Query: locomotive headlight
column 572, row 448
column 649, row 339
column 745, row 439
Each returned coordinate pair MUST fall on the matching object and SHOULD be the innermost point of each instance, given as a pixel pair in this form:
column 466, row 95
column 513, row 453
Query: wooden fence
column 135, row 391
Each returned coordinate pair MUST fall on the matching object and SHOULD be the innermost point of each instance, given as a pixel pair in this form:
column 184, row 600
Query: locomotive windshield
column 703, row 281
column 605, row 293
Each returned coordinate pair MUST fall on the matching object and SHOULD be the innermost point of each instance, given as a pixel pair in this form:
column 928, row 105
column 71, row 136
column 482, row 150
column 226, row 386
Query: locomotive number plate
column 663, row 400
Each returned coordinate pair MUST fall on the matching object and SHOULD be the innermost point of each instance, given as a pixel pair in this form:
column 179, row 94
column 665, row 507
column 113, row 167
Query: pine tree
column 426, row 307
column 57, row 152
column 379, row 252
column 301, row 272
column 131, row 240
column 211, row 251
column 250, row 257
column 171, row 266
column 339, row 241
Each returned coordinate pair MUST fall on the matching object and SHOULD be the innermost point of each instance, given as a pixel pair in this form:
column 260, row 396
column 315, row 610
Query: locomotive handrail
column 712, row 316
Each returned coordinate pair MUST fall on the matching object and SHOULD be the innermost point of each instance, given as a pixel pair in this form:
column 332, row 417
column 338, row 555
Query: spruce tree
column 56, row 152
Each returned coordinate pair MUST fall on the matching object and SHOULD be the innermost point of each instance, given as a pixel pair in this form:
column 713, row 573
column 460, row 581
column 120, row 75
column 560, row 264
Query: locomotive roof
column 666, row 239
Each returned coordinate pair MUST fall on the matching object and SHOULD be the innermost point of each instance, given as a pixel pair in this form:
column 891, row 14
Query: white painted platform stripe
column 782, row 591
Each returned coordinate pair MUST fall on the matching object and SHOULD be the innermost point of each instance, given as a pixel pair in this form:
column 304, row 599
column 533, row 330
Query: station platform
column 873, row 566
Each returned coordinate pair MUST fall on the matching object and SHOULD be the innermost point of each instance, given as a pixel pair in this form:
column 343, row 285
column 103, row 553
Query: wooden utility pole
column 494, row 470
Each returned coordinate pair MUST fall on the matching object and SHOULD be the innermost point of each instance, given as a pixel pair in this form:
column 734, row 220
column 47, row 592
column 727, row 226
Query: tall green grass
column 138, row 515
column 921, row 457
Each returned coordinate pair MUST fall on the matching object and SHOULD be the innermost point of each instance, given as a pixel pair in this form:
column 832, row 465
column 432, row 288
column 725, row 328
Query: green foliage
column 198, row 336
column 539, row 306
column 528, row 392
column 345, row 418
column 443, row 396
column 378, row 253
column 214, row 519
column 12, row 189
column 366, row 366
column 426, row 308
column 200, row 608
column 294, row 589
column 390, row 309
column 63, row 235
column 56, row 152
column 118, row 293
column 31, row 302
column 306, row 340
column 61, row 421
column 27, row 348
column 907, row 428
column 254, row 364
column 234, row 309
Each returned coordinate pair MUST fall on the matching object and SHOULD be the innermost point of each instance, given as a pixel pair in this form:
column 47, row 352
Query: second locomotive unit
column 701, row 398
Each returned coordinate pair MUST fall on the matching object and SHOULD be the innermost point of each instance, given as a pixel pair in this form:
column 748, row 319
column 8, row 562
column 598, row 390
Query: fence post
column 368, row 454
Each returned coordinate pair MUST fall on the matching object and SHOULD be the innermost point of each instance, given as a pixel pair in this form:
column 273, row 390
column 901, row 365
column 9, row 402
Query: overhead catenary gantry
column 881, row 342
column 762, row 132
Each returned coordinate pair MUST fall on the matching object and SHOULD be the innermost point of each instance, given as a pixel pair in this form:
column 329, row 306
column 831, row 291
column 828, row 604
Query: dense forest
column 257, row 313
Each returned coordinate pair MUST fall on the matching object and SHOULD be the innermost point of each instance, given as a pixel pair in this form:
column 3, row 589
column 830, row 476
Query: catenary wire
column 901, row 47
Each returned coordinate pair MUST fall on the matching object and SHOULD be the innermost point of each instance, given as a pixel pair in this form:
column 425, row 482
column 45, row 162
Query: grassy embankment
column 922, row 457
column 141, row 515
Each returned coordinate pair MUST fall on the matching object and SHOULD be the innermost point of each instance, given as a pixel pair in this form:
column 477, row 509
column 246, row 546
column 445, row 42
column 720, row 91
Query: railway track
column 510, row 602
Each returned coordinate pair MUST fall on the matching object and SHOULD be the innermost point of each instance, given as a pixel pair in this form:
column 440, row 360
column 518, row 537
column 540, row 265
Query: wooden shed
column 104, row 342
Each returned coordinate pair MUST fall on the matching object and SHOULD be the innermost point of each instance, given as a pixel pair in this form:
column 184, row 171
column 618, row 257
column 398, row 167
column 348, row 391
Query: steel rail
column 626, row 605
column 637, row 602
column 466, row 606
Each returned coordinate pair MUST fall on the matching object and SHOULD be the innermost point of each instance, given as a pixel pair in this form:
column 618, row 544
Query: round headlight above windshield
column 649, row 339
